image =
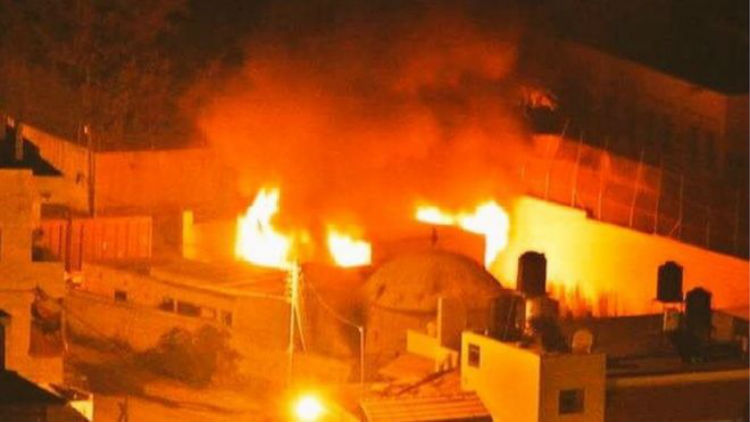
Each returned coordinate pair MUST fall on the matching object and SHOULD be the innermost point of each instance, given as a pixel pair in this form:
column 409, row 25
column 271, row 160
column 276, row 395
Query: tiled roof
column 465, row 406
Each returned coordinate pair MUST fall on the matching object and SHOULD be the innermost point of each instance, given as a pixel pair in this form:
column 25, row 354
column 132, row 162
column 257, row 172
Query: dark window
column 167, row 304
column 570, row 401
column 474, row 356
column 121, row 296
column 189, row 309
column 226, row 318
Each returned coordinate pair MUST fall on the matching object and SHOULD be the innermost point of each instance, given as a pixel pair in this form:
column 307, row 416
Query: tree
column 101, row 63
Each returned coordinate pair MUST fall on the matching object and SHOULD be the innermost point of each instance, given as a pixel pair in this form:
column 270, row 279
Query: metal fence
column 634, row 194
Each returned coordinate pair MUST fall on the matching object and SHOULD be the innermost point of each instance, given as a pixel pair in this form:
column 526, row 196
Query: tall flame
column 488, row 219
column 346, row 250
column 257, row 240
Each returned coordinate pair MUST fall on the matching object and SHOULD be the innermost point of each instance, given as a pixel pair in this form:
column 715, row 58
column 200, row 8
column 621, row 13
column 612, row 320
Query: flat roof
column 638, row 345
column 463, row 406
column 17, row 390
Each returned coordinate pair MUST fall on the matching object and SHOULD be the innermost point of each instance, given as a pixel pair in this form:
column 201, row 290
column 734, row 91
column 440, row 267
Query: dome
column 414, row 282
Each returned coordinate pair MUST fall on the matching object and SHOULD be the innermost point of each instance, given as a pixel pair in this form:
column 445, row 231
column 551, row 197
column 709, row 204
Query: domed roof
column 415, row 281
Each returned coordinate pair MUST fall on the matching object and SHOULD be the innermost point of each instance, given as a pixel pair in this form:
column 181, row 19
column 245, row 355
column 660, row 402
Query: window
column 226, row 318
column 167, row 304
column 189, row 309
column 570, row 401
column 474, row 356
column 121, row 296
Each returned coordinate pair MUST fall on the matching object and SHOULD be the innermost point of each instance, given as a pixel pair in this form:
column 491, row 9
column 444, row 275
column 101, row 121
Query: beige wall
column 606, row 262
column 19, row 275
column 573, row 371
column 507, row 379
column 517, row 384
column 71, row 160
column 259, row 328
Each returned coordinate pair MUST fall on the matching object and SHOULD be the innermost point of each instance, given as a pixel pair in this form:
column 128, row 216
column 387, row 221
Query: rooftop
column 17, row 390
column 637, row 345
column 31, row 159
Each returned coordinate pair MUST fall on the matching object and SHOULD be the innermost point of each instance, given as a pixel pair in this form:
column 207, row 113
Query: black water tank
column 698, row 313
column 507, row 316
column 669, row 283
column 532, row 274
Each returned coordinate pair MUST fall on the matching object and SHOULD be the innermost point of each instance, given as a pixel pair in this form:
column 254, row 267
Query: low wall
column 609, row 269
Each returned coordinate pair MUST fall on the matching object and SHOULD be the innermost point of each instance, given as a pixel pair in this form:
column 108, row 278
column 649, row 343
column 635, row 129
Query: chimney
column 19, row 142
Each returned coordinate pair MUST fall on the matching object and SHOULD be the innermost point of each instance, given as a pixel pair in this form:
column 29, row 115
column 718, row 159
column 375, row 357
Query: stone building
column 30, row 286
column 403, row 294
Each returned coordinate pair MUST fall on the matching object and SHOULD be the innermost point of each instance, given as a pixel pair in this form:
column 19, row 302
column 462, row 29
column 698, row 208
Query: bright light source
column 308, row 408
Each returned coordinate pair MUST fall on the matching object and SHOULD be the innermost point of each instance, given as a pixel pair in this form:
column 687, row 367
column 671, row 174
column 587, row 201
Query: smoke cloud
column 360, row 118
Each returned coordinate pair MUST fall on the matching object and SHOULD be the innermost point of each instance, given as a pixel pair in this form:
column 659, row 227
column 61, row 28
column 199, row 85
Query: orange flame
column 346, row 250
column 257, row 240
column 488, row 219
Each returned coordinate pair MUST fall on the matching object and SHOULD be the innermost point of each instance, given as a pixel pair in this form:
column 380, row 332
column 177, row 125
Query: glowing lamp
column 308, row 408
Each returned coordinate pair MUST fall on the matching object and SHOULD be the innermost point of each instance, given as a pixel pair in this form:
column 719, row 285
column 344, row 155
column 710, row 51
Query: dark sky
column 702, row 41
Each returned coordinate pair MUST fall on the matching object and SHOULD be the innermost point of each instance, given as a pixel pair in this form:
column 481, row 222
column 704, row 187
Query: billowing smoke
column 359, row 118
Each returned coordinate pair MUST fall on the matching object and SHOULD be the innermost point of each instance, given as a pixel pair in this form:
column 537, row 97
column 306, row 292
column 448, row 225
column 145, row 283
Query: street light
column 308, row 408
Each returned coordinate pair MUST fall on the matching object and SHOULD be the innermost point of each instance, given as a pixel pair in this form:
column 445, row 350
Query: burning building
column 405, row 293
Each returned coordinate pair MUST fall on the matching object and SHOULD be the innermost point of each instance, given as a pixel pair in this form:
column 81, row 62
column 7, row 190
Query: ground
column 111, row 376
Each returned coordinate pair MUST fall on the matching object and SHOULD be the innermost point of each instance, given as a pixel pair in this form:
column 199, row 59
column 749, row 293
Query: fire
column 433, row 215
column 488, row 219
column 346, row 250
column 258, row 241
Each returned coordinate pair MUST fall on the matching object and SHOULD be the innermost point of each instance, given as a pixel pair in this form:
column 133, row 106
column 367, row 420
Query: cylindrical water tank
column 542, row 307
column 698, row 313
column 669, row 283
column 507, row 316
column 532, row 274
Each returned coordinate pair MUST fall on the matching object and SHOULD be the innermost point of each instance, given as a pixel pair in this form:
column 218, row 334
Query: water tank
column 532, row 274
column 507, row 316
column 671, row 320
column 542, row 307
column 669, row 283
column 698, row 313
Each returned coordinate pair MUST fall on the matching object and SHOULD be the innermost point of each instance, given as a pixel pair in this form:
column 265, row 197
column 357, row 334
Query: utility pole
column 92, row 170
column 293, row 292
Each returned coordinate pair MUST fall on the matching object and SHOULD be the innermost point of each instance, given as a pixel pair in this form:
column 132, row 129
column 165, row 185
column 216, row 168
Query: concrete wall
column 573, row 371
column 258, row 329
column 60, row 190
column 609, row 268
column 161, row 179
column 71, row 160
column 507, row 379
column 637, row 86
column 19, row 275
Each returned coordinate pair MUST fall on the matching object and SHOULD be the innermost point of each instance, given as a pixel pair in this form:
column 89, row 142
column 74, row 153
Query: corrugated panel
column 457, row 407
column 98, row 239
column 54, row 236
